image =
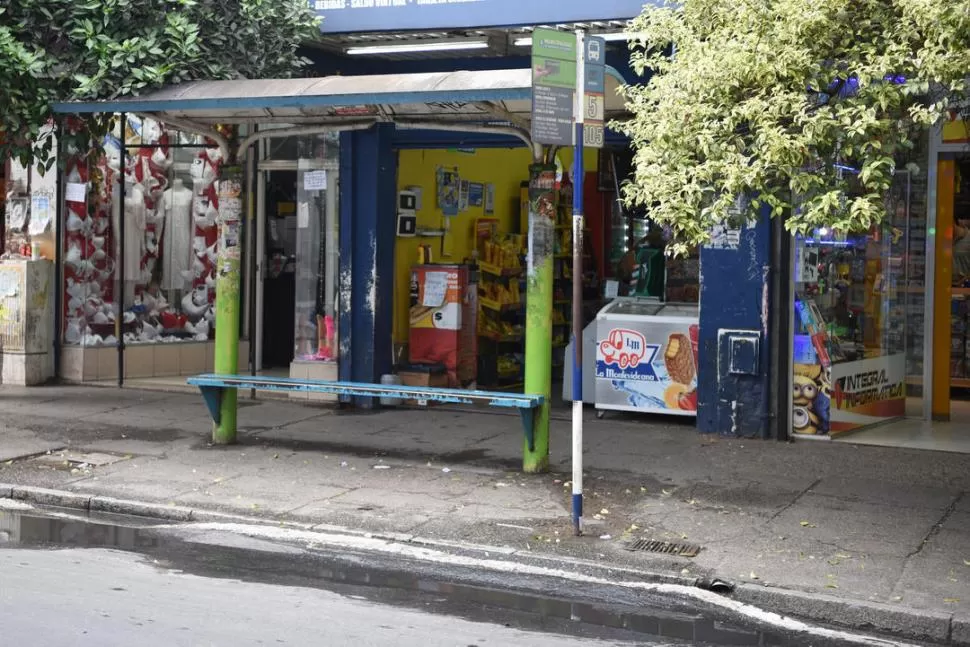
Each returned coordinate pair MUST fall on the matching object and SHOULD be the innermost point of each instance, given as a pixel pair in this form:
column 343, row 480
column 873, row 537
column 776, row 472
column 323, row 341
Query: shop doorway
column 279, row 275
column 951, row 329
column 944, row 425
column 297, row 259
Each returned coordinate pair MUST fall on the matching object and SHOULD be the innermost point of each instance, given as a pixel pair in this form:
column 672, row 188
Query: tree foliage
column 62, row 50
column 773, row 99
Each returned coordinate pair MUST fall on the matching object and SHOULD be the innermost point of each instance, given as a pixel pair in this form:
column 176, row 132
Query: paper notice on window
column 303, row 216
column 435, row 289
column 315, row 180
column 9, row 282
column 40, row 214
column 612, row 289
column 75, row 192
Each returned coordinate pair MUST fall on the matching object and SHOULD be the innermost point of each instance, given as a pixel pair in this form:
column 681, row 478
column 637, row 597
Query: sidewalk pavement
column 834, row 526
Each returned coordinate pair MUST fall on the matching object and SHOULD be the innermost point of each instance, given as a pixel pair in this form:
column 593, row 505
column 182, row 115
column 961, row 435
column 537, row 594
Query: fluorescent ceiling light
column 611, row 37
column 619, row 35
column 430, row 46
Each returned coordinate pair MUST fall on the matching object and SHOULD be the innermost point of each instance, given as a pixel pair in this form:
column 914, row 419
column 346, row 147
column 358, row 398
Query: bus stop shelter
column 365, row 110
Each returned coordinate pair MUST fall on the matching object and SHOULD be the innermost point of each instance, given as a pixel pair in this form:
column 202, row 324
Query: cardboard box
column 437, row 379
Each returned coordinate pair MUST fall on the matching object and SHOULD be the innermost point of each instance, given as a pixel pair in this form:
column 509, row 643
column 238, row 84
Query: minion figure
column 810, row 401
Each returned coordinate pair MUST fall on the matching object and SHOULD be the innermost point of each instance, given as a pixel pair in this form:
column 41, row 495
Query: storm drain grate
column 664, row 547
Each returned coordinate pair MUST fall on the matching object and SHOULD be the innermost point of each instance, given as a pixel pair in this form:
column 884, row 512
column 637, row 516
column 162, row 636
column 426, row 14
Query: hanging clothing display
column 177, row 235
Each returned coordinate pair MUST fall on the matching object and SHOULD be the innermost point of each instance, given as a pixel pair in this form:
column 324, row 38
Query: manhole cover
column 664, row 547
column 66, row 460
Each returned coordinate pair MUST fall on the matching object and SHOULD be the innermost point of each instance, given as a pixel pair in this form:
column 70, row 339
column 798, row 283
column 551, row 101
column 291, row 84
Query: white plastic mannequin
column 177, row 236
column 134, row 231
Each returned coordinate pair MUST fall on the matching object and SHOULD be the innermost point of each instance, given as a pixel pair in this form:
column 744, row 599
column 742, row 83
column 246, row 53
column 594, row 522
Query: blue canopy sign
column 342, row 16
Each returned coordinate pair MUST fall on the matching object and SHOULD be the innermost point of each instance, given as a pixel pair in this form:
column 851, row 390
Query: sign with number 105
column 593, row 136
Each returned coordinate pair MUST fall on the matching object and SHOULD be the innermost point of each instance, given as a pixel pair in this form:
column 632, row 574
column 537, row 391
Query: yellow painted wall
column 506, row 168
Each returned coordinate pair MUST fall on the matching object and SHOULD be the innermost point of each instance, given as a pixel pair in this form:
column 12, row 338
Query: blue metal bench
column 213, row 386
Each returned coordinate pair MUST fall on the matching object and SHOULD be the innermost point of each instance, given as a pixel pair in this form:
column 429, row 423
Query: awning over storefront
column 461, row 96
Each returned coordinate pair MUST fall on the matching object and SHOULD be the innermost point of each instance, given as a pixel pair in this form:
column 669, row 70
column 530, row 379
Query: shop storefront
column 138, row 249
column 470, row 218
column 130, row 297
column 880, row 317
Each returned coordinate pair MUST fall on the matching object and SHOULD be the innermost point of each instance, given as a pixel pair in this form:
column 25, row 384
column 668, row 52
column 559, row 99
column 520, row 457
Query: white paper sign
column 40, row 214
column 435, row 289
column 9, row 283
column 303, row 216
column 75, row 192
column 612, row 289
column 315, row 180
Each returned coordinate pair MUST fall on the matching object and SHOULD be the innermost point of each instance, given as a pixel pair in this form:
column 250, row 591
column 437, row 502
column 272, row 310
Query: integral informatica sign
column 341, row 16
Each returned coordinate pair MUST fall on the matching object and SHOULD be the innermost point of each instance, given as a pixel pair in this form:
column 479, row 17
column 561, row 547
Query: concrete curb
column 960, row 630
column 902, row 622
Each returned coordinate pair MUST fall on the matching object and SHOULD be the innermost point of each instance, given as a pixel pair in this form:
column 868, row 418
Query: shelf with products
column 563, row 263
column 501, row 299
column 495, row 270
column 959, row 340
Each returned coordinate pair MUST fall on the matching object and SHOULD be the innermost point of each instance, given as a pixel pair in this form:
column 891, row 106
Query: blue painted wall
column 368, row 186
column 734, row 296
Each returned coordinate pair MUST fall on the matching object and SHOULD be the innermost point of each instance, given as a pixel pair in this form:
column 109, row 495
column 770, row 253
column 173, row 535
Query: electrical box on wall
column 407, row 224
column 407, row 217
column 742, row 351
column 407, row 201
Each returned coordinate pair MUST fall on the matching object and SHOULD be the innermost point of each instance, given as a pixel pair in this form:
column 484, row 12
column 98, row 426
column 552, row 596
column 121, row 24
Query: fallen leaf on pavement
column 643, row 489
column 951, row 600
column 276, row 455
column 807, row 524
column 604, row 511
column 665, row 492
column 831, row 585
column 754, row 576
column 966, row 562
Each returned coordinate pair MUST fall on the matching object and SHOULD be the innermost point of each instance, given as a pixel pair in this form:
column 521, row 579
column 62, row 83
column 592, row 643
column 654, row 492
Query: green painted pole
column 227, row 299
column 538, row 318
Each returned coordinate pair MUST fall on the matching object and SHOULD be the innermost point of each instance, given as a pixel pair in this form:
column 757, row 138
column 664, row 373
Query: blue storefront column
column 368, row 188
column 734, row 315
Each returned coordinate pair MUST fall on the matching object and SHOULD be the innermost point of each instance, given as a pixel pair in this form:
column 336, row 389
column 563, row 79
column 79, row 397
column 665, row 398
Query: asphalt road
column 105, row 598
column 105, row 580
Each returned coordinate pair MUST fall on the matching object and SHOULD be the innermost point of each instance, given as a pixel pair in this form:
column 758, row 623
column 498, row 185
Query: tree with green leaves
column 775, row 99
column 63, row 50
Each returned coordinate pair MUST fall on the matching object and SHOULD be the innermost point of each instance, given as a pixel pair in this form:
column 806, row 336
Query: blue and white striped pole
column 577, row 332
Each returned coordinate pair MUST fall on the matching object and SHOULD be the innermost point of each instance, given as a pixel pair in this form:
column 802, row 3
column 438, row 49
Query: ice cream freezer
column 646, row 357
